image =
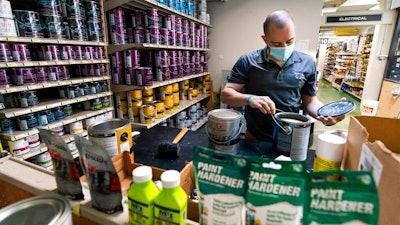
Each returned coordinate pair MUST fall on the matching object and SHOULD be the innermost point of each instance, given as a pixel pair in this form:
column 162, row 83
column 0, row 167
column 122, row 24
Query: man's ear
column 264, row 38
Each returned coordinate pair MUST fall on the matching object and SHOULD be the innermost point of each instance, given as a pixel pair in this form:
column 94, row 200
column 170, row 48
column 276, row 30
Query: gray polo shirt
column 284, row 86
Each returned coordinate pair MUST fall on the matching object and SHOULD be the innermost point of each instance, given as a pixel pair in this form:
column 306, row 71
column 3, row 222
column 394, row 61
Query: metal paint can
column 59, row 130
column 144, row 76
column 139, row 35
column 223, row 129
column 58, row 113
column 46, row 117
column 72, row 147
column 151, row 18
column 96, row 104
column 67, row 52
column 115, row 135
column 4, row 78
column 33, row 140
column 28, row 121
column 77, row 28
column 132, row 58
column 152, row 35
column 28, row 99
column 20, row 52
column 5, row 53
column 44, row 160
column 138, row 18
column 28, row 23
column 164, row 36
column 94, row 31
column 98, row 53
column 291, row 134
column 5, row 9
column 78, row 53
column 76, row 127
column 24, row 76
column 7, row 27
column 18, row 148
column 67, row 109
column 53, row 209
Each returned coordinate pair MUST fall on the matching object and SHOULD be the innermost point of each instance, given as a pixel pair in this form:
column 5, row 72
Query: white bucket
column 369, row 107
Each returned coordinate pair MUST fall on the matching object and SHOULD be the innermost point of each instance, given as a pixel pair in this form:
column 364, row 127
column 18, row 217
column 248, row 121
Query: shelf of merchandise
column 49, row 104
column 147, row 46
column 148, row 4
column 50, row 63
column 49, row 84
column 122, row 88
column 183, row 104
column 16, row 135
column 29, row 40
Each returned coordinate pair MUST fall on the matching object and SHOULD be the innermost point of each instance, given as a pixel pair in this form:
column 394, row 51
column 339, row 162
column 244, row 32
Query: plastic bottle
column 141, row 196
column 170, row 206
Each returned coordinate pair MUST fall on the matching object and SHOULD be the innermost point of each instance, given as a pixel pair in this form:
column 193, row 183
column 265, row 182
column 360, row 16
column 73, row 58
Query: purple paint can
column 186, row 70
column 64, row 73
column 130, row 76
column 98, row 53
column 165, row 72
column 185, row 57
column 102, row 69
column 116, row 59
column 178, row 38
column 20, row 52
column 151, row 18
column 118, row 74
column 173, row 55
column 152, row 35
column 4, row 78
column 132, row 58
column 41, row 74
column 118, row 34
column 67, row 52
column 185, row 26
column 172, row 37
column 173, row 72
column 138, row 18
column 144, row 76
column 5, row 53
column 78, row 52
column 131, row 38
column 178, row 24
column 24, row 76
column 139, row 35
column 53, row 73
column 163, row 58
column 88, row 53
column 117, row 17
column 164, row 36
column 185, row 40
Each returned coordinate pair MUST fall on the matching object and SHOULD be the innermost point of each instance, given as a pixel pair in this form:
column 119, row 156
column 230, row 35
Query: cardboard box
column 373, row 143
column 124, row 166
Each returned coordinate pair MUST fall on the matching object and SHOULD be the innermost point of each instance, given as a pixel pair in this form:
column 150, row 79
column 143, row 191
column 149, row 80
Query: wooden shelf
column 16, row 135
column 113, row 48
column 30, row 40
column 122, row 88
column 31, row 87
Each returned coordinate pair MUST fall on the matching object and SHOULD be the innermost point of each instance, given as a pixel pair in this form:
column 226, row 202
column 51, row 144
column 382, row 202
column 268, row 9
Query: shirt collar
column 292, row 59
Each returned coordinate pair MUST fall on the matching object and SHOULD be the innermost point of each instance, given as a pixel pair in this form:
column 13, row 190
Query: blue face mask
column 281, row 53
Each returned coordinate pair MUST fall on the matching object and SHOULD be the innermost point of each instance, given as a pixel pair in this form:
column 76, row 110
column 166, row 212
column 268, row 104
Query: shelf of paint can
column 200, row 123
column 183, row 104
column 30, row 87
column 50, row 41
column 121, row 88
column 4, row 65
column 146, row 46
column 17, row 134
column 49, row 104
column 148, row 4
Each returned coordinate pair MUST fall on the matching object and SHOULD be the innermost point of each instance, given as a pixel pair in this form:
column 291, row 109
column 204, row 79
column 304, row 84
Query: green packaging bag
column 275, row 192
column 221, row 181
column 341, row 197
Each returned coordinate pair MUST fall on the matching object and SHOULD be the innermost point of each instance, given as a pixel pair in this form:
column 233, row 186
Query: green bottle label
column 140, row 213
column 167, row 216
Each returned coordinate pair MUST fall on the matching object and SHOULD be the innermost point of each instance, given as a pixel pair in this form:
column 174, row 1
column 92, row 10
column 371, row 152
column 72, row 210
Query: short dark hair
column 277, row 18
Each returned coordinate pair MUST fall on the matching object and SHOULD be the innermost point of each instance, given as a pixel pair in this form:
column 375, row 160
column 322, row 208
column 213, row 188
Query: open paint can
column 291, row 134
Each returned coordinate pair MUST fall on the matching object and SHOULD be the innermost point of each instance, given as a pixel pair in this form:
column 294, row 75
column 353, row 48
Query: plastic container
column 170, row 206
column 369, row 107
column 141, row 196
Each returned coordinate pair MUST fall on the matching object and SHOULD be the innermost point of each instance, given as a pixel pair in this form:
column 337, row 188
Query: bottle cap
column 142, row 174
column 170, row 179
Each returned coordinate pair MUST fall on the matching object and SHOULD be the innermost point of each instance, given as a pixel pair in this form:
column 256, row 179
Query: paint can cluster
column 192, row 8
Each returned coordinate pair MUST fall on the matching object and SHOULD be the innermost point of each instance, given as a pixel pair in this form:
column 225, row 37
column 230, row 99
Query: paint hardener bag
column 101, row 176
column 67, row 170
column 221, row 181
column 275, row 193
column 341, row 197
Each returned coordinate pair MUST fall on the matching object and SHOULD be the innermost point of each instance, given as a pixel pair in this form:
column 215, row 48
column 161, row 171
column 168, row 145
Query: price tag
column 73, row 61
column 50, row 106
column 62, row 83
column 12, row 64
column 61, row 41
column 75, row 81
column 36, row 109
column 43, row 63
column 33, row 87
column 32, row 132
column 17, row 137
column 28, row 63
column 22, row 112
column 87, row 80
column 96, row 61
column 65, row 122
column 35, row 40
column 9, row 90
column 12, row 39
column 104, row 61
column 27, row 156
column 44, row 149
column 82, row 99
column 47, row 85
column 61, row 62
column 80, row 117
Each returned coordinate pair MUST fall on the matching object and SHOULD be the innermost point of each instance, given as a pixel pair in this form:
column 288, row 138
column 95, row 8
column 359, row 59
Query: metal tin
column 50, row 7
column 4, row 78
column 96, row 104
column 5, row 9
column 28, row 23
column 94, row 31
column 53, row 209
column 46, row 117
column 105, row 101
column 44, row 160
column 7, row 124
column 33, row 140
column 28, row 99
column 98, row 53
column 58, row 113
column 7, row 27
column 28, row 121
column 132, row 58
column 5, row 53
column 115, row 135
column 67, row 109
column 20, row 52
column 59, row 130
column 78, row 52
column 19, row 147
column 144, row 76
column 41, row 74
column 76, row 127
column 67, row 52
column 24, row 76
column 54, row 73
column 77, row 28
column 92, row 10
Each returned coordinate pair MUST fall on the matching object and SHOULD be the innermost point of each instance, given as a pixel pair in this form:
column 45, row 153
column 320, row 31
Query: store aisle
column 326, row 93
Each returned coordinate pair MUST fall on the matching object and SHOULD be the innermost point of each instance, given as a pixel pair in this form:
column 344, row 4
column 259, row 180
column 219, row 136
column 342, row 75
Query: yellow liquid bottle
column 141, row 196
column 170, row 206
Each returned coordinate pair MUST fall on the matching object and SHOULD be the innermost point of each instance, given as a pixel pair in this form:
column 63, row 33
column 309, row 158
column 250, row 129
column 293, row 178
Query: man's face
column 280, row 37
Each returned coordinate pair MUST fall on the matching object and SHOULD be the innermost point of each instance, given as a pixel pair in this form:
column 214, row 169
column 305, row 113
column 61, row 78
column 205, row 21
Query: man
column 274, row 78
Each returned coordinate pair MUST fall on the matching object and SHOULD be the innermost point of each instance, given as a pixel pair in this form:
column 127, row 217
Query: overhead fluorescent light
column 356, row 5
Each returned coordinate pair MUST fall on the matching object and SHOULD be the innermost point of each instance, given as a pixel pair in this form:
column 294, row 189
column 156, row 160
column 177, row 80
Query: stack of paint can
column 173, row 64
column 202, row 10
column 77, row 20
column 93, row 19
column 168, row 99
column 136, row 34
column 28, row 23
column 147, row 114
column 175, row 96
column 203, row 62
column 152, row 24
column 117, row 23
column 144, row 76
column 19, row 147
column 121, row 105
column 7, row 28
column 161, row 67
column 43, row 160
column 131, row 62
column 208, row 84
column 160, row 109
column 117, row 68
column 135, row 102
column 148, row 96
